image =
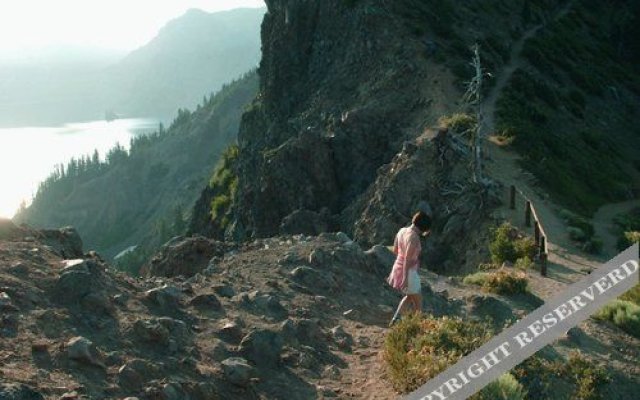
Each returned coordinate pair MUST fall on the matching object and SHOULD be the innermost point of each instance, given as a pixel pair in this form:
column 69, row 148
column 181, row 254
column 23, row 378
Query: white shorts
column 413, row 287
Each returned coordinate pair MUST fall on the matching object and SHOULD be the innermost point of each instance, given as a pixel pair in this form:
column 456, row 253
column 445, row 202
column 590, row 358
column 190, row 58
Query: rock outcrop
column 184, row 257
column 330, row 113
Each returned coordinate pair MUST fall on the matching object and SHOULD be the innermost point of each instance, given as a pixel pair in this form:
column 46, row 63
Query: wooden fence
column 530, row 215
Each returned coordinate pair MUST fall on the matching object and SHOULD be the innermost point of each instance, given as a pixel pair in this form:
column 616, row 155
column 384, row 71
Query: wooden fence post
column 543, row 244
column 512, row 201
column 543, row 264
column 527, row 214
column 536, row 233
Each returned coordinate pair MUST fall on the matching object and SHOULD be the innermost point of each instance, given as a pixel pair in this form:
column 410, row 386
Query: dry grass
column 502, row 281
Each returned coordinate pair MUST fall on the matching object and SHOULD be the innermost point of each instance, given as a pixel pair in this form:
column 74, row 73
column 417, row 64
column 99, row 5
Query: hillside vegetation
column 144, row 195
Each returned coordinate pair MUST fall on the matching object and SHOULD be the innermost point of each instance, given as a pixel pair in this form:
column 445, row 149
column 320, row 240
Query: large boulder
column 77, row 279
column 66, row 241
column 83, row 350
column 184, row 257
column 237, row 371
column 160, row 331
column 263, row 347
column 206, row 302
column 267, row 305
column 166, row 297
column 314, row 279
column 306, row 331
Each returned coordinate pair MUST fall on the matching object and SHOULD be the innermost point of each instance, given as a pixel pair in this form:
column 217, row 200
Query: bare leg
column 416, row 302
column 406, row 301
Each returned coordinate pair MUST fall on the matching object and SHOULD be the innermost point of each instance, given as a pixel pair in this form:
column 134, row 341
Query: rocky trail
column 292, row 317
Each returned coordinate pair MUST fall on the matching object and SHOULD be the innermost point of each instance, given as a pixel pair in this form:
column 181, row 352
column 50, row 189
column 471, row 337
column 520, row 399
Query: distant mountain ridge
column 190, row 57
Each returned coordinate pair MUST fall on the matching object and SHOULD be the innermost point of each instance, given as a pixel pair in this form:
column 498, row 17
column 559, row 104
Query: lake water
column 29, row 155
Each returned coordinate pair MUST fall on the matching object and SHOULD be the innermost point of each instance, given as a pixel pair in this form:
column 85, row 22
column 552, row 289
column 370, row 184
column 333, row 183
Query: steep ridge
column 326, row 119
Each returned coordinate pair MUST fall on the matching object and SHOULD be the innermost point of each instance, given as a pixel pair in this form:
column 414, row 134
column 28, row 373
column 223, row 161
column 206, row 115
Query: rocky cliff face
column 345, row 83
column 341, row 89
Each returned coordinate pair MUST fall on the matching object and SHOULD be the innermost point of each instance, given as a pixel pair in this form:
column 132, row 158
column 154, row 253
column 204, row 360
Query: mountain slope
column 190, row 57
column 144, row 194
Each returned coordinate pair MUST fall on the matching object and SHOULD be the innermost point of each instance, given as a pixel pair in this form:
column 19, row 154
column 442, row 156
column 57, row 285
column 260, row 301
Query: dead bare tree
column 473, row 100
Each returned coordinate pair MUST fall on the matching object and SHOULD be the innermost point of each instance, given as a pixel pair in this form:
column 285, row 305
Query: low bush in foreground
column 624, row 314
column 417, row 349
column 576, row 378
column 506, row 387
column 501, row 281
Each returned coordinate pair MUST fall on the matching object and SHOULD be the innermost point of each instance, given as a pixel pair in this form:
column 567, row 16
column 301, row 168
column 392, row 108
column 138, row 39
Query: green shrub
column 629, row 221
column 506, row 387
column 579, row 378
column 584, row 374
column 576, row 234
column 505, row 245
column 577, row 222
column 224, row 184
column 632, row 295
column 593, row 245
column 500, row 282
column 417, row 349
column 624, row 314
column 525, row 247
column 627, row 239
column 501, row 246
column 524, row 263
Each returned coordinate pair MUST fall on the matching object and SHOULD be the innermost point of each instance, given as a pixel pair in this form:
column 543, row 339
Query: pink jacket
column 407, row 247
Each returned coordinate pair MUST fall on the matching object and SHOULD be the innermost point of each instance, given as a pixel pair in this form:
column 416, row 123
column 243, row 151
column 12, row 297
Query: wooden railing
column 539, row 234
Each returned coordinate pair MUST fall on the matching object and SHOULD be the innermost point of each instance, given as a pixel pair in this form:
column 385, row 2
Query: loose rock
column 263, row 347
column 238, row 371
column 83, row 350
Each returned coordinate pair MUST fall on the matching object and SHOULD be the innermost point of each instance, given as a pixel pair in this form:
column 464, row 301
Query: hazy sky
column 112, row 24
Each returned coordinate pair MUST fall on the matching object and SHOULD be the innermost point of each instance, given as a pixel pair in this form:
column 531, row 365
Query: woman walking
column 404, row 275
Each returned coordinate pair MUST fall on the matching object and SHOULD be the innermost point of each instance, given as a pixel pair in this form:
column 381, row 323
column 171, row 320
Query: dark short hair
column 422, row 221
